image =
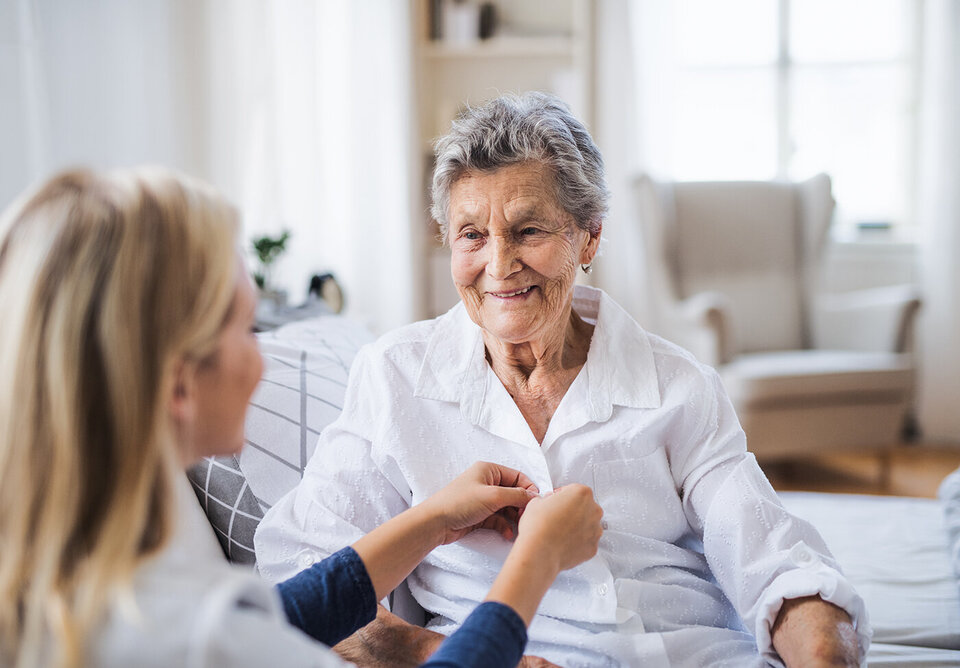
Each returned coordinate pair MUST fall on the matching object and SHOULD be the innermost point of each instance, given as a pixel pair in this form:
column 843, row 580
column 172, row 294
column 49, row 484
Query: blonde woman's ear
column 182, row 399
column 182, row 408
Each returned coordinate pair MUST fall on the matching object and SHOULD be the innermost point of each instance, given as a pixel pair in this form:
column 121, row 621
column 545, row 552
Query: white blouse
column 697, row 554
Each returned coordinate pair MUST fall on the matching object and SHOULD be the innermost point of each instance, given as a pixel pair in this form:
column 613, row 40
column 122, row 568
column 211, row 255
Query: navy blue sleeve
column 332, row 599
column 492, row 636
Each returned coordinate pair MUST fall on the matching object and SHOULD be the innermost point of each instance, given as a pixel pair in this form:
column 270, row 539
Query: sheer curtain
column 634, row 57
column 89, row 83
column 616, row 268
column 299, row 110
column 939, row 199
column 308, row 126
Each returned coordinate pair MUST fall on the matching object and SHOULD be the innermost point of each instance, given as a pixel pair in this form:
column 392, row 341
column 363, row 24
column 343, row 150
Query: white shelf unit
column 544, row 45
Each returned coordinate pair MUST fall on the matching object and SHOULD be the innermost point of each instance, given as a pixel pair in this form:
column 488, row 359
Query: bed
column 895, row 550
column 899, row 552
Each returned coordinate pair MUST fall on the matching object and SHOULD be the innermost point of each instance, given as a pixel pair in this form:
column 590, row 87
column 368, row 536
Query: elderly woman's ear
column 590, row 250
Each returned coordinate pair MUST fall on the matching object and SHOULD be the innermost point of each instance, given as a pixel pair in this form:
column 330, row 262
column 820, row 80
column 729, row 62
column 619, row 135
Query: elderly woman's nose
column 503, row 258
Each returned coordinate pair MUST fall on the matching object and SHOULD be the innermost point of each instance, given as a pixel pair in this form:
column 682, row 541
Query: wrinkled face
column 515, row 252
column 225, row 382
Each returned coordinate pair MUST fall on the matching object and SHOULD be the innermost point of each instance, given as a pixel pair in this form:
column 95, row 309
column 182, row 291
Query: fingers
column 566, row 525
column 508, row 497
column 502, row 523
column 502, row 476
column 512, row 478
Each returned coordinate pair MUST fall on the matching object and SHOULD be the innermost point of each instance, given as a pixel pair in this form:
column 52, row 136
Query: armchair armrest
column 701, row 324
column 878, row 319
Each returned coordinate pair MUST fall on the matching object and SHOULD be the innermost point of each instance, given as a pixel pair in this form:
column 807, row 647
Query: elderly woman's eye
column 471, row 235
column 528, row 231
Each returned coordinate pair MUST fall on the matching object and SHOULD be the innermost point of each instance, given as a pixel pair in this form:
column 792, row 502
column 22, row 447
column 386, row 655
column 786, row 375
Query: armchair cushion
column 879, row 319
column 741, row 239
column 805, row 377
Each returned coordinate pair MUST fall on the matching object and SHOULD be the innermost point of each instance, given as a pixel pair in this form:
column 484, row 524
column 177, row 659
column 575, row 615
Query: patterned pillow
column 306, row 365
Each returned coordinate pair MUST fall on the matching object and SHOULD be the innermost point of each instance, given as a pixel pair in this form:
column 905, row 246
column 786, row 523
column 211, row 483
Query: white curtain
column 939, row 197
column 617, row 268
column 20, row 119
column 309, row 126
column 92, row 83
column 300, row 111
column 633, row 62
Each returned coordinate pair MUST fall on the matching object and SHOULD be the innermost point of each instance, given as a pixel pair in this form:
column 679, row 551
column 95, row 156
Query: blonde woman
column 126, row 353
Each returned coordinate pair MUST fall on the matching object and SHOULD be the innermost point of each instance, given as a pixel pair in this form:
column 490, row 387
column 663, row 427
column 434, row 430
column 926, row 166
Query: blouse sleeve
column 492, row 636
column 332, row 599
column 343, row 494
column 759, row 552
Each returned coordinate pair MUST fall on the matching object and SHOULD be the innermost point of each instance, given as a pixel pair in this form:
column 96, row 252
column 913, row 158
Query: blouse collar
column 620, row 368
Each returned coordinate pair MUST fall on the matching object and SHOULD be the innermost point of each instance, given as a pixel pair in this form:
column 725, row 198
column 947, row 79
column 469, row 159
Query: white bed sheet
column 905, row 656
column 894, row 550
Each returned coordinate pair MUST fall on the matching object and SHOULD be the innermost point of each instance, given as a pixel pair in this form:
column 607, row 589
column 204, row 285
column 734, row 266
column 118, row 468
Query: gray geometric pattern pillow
column 231, row 508
column 306, row 365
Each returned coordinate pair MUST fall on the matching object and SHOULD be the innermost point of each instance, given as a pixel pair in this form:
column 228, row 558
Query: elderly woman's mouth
column 512, row 294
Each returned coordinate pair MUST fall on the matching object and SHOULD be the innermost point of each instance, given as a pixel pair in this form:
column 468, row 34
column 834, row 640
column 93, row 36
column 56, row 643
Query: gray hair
column 516, row 128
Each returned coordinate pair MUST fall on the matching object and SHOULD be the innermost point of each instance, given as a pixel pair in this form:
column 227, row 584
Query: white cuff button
column 802, row 556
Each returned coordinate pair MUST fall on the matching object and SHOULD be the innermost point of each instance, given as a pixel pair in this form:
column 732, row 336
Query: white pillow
column 949, row 494
column 306, row 365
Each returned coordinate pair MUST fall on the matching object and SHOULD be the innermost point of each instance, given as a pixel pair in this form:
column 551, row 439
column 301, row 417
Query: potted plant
column 268, row 250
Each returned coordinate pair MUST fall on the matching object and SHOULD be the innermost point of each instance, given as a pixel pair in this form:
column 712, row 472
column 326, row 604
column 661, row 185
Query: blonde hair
column 108, row 281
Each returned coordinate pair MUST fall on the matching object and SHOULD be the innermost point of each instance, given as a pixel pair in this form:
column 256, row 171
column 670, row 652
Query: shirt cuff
column 812, row 578
column 493, row 635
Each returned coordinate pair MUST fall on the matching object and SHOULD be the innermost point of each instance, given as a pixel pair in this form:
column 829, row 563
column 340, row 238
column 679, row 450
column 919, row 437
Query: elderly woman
column 128, row 352
column 699, row 563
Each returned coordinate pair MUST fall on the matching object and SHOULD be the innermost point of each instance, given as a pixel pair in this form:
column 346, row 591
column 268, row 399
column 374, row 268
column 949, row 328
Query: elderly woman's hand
column 487, row 496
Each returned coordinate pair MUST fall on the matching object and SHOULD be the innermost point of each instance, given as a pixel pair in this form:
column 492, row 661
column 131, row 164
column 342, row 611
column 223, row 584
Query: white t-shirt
column 697, row 554
column 188, row 607
column 202, row 615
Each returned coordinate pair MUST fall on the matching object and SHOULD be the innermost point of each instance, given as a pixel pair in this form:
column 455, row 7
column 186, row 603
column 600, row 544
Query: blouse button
column 602, row 590
column 603, row 525
column 306, row 560
column 802, row 556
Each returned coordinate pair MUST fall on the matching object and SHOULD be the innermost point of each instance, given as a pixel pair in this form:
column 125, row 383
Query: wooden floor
column 915, row 469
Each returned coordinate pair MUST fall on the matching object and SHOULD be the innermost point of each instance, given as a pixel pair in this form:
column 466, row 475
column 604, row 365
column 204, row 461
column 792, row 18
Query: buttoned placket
column 498, row 414
column 456, row 351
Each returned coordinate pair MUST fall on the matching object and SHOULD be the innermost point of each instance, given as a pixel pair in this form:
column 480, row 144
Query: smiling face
column 515, row 252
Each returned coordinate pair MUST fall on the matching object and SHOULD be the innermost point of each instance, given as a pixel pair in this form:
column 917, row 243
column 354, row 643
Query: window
column 768, row 89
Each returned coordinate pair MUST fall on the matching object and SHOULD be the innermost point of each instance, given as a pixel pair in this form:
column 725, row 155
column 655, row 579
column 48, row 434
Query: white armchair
column 734, row 269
